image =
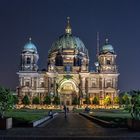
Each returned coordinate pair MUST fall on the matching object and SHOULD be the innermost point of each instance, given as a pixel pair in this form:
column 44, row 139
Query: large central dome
column 68, row 41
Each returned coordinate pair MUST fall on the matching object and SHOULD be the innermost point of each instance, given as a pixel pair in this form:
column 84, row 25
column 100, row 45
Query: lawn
column 28, row 115
column 112, row 115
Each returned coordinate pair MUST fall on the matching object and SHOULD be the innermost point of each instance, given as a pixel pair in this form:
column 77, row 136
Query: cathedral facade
column 67, row 75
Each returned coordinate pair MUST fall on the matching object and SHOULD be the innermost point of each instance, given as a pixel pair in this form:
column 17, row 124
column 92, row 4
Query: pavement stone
column 72, row 127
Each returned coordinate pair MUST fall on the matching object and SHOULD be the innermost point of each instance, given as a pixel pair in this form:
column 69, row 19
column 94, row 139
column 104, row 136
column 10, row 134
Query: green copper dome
column 30, row 47
column 68, row 41
column 107, row 48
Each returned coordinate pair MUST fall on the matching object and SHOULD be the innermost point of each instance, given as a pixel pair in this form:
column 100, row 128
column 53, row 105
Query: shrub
column 56, row 100
column 26, row 100
column 47, row 100
column 36, row 100
column 6, row 100
column 95, row 101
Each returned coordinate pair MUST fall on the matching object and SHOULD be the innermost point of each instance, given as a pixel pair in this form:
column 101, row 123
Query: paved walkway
column 74, row 126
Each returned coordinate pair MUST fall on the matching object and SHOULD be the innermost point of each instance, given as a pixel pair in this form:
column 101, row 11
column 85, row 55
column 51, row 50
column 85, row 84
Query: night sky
column 45, row 20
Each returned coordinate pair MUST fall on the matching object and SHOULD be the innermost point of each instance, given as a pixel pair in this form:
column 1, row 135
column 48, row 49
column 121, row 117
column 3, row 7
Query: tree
column 47, row 100
column 116, row 100
column 126, row 99
column 26, row 100
column 36, row 100
column 6, row 100
column 75, row 101
column 95, row 101
column 135, row 106
column 87, row 101
column 15, row 99
column 56, row 100
column 107, row 100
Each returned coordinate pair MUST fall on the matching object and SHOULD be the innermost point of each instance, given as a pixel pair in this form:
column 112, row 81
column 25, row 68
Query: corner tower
column 29, row 57
column 107, row 59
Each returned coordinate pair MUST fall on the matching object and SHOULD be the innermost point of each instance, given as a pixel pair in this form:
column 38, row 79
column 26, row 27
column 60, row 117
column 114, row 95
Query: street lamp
column 97, row 66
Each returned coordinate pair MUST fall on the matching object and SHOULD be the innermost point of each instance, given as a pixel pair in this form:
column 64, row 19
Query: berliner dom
column 67, row 75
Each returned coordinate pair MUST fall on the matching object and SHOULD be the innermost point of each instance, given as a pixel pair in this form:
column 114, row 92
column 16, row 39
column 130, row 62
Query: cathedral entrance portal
column 67, row 92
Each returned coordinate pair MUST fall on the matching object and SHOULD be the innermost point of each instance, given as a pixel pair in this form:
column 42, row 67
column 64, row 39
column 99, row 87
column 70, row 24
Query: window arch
column 28, row 60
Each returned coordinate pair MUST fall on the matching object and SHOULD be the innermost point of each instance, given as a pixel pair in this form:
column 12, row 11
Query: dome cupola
column 107, row 47
column 30, row 47
column 68, row 41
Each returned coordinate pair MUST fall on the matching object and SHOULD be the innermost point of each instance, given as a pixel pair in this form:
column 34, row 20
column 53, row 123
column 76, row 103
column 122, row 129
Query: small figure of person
column 87, row 109
column 65, row 110
column 50, row 113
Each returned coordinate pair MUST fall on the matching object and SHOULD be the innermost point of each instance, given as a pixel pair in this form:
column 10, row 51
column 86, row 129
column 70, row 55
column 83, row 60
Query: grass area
column 118, row 116
column 111, row 113
column 28, row 115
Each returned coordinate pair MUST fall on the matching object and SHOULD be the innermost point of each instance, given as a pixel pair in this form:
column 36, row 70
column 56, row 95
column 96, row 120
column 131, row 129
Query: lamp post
column 97, row 66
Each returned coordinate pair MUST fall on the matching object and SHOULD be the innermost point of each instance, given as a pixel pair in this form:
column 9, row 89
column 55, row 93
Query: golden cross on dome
column 106, row 41
column 68, row 29
column 30, row 39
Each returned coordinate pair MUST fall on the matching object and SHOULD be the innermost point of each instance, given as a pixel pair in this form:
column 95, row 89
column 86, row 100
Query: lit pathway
column 74, row 126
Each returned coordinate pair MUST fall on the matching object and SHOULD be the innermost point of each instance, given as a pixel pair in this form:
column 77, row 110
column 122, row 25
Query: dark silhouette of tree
column 26, row 100
column 15, row 99
column 36, row 100
column 6, row 100
column 56, row 100
column 47, row 100
column 95, row 101
column 87, row 101
column 75, row 101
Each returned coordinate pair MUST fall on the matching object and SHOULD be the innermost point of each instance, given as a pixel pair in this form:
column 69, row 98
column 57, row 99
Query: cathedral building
column 67, row 75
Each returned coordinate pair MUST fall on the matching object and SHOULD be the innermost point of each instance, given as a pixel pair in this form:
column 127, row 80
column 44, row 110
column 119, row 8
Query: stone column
column 83, row 86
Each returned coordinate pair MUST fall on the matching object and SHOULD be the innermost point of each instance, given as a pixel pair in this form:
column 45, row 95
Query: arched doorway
column 67, row 91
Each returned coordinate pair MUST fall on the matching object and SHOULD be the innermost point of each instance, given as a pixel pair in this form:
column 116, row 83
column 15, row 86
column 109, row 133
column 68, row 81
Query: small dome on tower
column 107, row 47
column 30, row 47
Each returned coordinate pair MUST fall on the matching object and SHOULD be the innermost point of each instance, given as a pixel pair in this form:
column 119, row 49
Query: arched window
column 108, row 62
column 42, row 84
column 108, row 84
column 27, row 83
column 58, row 60
column 28, row 60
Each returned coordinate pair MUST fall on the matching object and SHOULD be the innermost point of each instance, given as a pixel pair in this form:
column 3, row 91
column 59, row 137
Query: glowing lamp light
column 96, row 64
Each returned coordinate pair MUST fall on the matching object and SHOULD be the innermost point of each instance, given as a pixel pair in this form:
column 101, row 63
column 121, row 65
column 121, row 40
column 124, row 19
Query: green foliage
column 87, row 101
column 126, row 99
column 47, row 100
column 116, row 100
column 135, row 106
column 95, row 101
column 26, row 100
column 15, row 99
column 107, row 100
column 75, row 101
column 36, row 100
column 56, row 100
column 6, row 100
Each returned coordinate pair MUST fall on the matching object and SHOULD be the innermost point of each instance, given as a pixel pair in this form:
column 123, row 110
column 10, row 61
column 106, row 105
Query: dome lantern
column 106, row 41
column 68, row 29
column 107, row 47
